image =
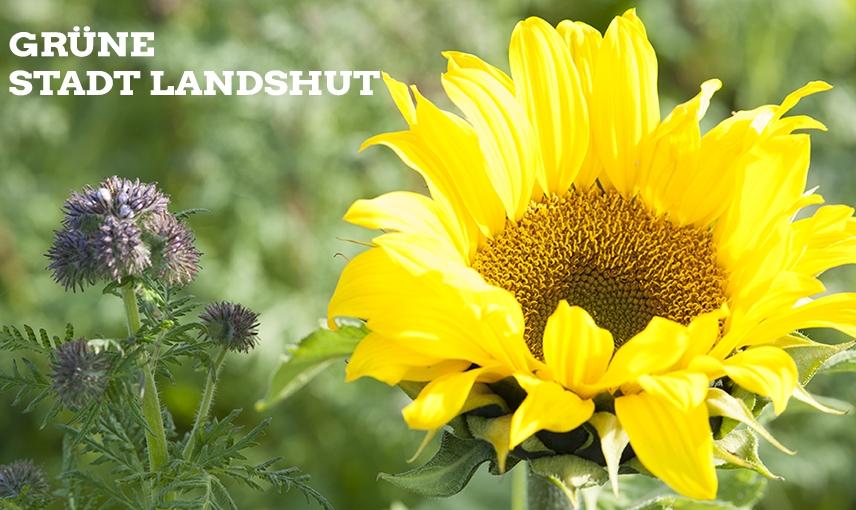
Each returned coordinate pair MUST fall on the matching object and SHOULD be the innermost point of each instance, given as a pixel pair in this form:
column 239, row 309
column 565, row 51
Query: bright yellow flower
column 579, row 244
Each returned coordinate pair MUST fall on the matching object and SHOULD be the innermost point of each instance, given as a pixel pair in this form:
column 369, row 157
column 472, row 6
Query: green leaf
column 720, row 403
column 570, row 472
column 738, row 490
column 311, row 355
column 448, row 472
column 809, row 357
column 739, row 449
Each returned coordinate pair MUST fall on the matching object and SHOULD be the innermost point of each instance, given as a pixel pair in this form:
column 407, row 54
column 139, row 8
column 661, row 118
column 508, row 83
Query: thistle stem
column 205, row 405
column 545, row 495
column 150, row 400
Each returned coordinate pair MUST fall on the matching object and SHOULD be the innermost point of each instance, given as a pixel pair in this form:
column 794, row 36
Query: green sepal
column 748, row 399
column 495, row 432
column 840, row 362
column 570, row 473
column 308, row 358
column 613, row 441
column 720, row 403
column 738, row 490
column 809, row 356
column 449, row 471
column 739, row 449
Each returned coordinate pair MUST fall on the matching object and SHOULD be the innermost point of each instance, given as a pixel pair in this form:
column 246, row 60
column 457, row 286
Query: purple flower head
column 231, row 325
column 25, row 481
column 175, row 258
column 118, row 229
column 80, row 374
column 116, row 197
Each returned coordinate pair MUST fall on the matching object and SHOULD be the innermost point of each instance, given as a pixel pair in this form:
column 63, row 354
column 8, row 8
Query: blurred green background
column 278, row 173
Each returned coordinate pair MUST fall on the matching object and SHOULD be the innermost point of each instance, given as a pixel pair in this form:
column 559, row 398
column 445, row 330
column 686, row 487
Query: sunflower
column 621, row 269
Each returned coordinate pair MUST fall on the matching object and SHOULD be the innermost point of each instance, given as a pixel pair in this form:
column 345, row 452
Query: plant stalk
column 205, row 405
column 518, row 487
column 150, row 401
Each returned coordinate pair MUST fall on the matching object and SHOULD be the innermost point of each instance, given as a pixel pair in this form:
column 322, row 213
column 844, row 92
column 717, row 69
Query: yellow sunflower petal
column 548, row 87
column 781, row 292
column 825, row 240
column 659, row 346
column 703, row 332
column 674, row 445
column 794, row 97
column 837, row 311
column 548, row 406
column 464, row 320
column 682, row 389
column 772, row 183
column 369, row 284
column 457, row 145
column 583, row 43
column 392, row 362
column 765, row 371
column 671, row 175
column 414, row 152
column 504, row 133
column 441, row 399
column 626, row 107
column 576, row 349
column 458, row 60
column 404, row 212
column 401, row 96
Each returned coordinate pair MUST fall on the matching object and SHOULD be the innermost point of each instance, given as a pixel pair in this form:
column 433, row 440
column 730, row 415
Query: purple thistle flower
column 116, row 197
column 231, row 325
column 72, row 259
column 23, row 479
column 119, row 250
column 176, row 257
column 118, row 229
column 81, row 375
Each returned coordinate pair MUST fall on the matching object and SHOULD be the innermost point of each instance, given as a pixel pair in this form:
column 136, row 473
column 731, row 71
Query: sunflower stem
column 518, row 487
column 150, row 400
column 205, row 405
column 542, row 494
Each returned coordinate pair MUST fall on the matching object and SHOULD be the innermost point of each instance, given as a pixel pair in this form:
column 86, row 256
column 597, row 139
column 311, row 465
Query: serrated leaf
column 448, row 472
column 809, row 358
column 36, row 402
column 738, row 490
column 739, row 449
column 569, row 472
column 312, row 355
column 720, row 403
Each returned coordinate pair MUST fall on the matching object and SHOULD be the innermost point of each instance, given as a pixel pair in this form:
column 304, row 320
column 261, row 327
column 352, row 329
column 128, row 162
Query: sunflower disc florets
column 231, row 325
column 121, row 228
column 80, row 374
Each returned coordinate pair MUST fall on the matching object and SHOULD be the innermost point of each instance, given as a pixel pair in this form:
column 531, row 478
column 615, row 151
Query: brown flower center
column 608, row 255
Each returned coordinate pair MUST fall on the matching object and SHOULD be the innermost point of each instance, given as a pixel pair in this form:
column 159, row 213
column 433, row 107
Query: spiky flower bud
column 25, row 484
column 121, row 228
column 81, row 375
column 231, row 325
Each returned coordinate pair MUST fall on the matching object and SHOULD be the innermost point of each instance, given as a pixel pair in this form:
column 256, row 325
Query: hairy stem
column 158, row 453
column 205, row 405
column 518, row 487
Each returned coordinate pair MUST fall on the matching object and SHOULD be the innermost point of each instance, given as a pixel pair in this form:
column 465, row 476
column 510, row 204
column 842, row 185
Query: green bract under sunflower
column 620, row 273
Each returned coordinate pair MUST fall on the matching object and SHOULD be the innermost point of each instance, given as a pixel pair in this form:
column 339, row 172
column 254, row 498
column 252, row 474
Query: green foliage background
column 278, row 173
